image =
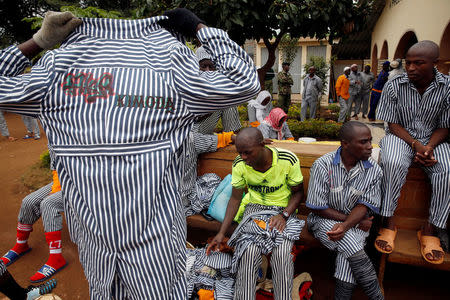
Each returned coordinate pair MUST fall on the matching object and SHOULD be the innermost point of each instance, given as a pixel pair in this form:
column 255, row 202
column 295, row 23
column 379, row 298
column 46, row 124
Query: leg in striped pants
column 32, row 125
column 396, row 158
column 30, row 210
column 282, row 267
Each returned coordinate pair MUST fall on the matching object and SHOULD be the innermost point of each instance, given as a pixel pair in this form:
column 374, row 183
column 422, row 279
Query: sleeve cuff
column 370, row 206
column 312, row 206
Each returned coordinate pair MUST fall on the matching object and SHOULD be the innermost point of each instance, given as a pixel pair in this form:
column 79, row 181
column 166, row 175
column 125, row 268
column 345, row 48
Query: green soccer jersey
column 271, row 187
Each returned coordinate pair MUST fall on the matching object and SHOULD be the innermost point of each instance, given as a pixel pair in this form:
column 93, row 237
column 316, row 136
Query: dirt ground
column 401, row 282
column 15, row 158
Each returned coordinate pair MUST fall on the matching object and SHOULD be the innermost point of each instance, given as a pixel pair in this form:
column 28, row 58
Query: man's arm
column 232, row 208
column 278, row 221
column 338, row 86
column 234, row 82
column 357, row 214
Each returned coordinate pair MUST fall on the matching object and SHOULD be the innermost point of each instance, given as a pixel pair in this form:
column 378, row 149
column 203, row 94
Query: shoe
column 371, row 120
column 27, row 136
column 34, row 292
column 363, row 116
column 45, row 272
column 12, row 256
column 354, row 116
column 37, row 137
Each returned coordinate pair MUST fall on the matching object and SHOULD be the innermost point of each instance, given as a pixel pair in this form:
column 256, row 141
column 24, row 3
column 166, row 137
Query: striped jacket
column 117, row 101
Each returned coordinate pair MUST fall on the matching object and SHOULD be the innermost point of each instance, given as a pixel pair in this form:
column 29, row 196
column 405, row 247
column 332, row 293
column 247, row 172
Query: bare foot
column 12, row 139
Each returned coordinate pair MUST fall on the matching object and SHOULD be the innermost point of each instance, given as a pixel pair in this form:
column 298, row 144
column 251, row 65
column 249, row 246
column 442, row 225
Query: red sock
column 23, row 232
column 55, row 260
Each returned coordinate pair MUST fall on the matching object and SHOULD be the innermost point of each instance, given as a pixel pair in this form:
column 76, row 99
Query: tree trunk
column 270, row 60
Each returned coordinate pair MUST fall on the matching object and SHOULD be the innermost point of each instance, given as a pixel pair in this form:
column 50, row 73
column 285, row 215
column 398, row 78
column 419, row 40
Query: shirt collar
column 118, row 28
column 337, row 159
column 438, row 77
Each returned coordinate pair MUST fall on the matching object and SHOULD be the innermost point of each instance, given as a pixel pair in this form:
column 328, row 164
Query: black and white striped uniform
column 420, row 115
column 332, row 186
column 2, row 268
column 117, row 100
column 195, row 144
column 251, row 242
column 230, row 121
column 41, row 202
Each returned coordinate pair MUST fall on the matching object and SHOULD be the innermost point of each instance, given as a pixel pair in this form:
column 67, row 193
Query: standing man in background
column 376, row 90
column 312, row 87
column 354, row 91
column 284, row 87
column 367, row 79
column 342, row 85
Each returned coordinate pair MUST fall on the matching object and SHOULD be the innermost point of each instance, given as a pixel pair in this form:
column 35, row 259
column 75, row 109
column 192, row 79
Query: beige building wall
column 427, row 19
column 303, row 43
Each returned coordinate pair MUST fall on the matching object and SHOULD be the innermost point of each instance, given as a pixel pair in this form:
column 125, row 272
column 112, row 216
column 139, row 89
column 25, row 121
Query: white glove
column 55, row 28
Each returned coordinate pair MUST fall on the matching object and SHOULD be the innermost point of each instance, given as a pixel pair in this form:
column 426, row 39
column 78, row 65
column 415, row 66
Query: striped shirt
column 332, row 186
column 230, row 121
column 117, row 101
column 420, row 115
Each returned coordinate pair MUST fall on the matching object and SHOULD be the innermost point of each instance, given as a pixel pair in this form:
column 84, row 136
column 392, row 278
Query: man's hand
column 365, row 224
column 277, row 222
column 55, row 28
column 337, row 232
column 215, row 243
column 182, row 20
column 424, row 155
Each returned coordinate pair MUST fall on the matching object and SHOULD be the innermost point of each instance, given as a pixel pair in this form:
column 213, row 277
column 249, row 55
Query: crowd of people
column 124, row 133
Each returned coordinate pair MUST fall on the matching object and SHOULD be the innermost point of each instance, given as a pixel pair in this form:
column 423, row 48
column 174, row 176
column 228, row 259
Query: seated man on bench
column 416, row 106
column 275, row 189
column 344, row 188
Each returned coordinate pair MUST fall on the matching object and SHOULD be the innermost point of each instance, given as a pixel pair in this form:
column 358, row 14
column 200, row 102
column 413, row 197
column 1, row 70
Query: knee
column 252, row 252
column 28, row 204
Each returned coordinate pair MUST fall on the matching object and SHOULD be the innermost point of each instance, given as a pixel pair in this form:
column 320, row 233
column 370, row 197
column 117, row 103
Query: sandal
column 428, row 243
column 388, row 236
column 12, row 256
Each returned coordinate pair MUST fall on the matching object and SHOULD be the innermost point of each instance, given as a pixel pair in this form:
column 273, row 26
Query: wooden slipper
column 388, row 236
column 428, row 243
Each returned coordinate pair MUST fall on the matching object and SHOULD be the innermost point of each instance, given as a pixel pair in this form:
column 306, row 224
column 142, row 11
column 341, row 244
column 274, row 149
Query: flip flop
column 388, row 236
column 47, row 271
column 301, row 287
column 428, row 243
column 12, row 256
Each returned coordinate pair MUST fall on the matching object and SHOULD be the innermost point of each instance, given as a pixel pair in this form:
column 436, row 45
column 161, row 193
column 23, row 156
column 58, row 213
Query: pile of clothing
column 205, row 186
column 209, row 277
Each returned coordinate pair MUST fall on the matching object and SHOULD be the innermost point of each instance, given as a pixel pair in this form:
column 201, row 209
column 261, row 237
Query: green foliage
column 243, row 112
column 45, row 159
column 334, row 108
column 322, row 68
column 316, row 128
column 256, row 19
column 92, row 12
column 288, row 47
column 294, row 111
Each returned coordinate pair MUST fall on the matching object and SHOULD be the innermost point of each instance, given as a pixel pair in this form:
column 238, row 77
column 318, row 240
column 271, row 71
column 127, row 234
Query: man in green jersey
column 269, row 224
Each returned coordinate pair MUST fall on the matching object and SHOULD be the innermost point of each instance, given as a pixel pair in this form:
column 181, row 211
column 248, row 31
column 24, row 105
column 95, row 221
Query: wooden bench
column 411, row 214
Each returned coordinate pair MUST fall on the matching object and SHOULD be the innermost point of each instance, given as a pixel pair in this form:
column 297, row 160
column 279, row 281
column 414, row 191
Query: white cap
column 394, row 64
column 346, row 68
column 202, row 54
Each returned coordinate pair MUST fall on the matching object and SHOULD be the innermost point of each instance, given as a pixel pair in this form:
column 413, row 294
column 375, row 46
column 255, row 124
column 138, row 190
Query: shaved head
column 428, row 49
column 249, row 136
column 347, row 131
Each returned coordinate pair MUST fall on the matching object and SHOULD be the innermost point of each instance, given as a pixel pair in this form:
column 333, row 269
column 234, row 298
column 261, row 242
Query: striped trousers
column 396, row 158
column 41, row 203
column 352, row 242
column 2, row 268
column 282, row 272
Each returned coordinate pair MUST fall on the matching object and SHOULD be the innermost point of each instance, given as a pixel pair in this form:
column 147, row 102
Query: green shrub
column 334, row 108
column 243, row 113
column 294, row 111
column 45, row 159
column 315, row 128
